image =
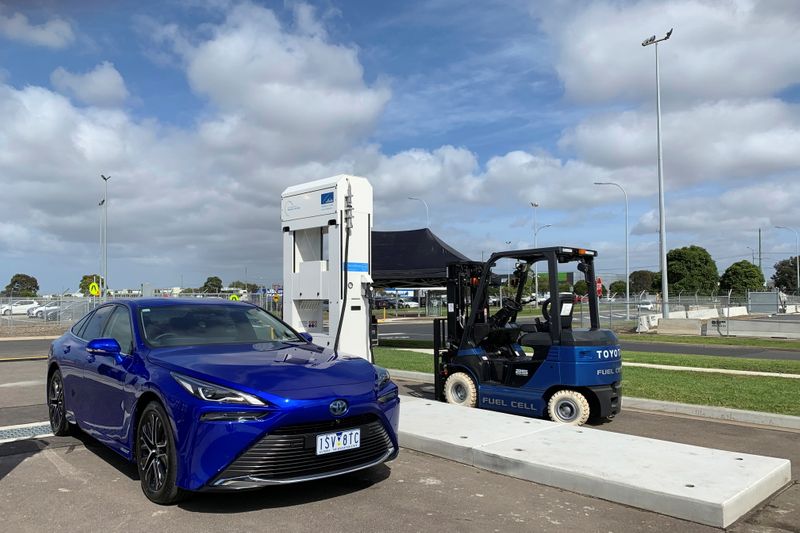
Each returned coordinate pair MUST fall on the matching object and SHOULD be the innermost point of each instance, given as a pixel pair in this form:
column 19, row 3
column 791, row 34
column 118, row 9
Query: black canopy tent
column 412, row 258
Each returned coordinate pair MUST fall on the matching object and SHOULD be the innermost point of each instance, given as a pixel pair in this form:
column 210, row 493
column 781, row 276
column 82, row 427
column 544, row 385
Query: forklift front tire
column 459, row 389
column 568, row 407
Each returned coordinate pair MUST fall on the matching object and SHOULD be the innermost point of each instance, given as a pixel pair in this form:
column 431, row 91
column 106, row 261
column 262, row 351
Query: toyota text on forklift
column 540, row 368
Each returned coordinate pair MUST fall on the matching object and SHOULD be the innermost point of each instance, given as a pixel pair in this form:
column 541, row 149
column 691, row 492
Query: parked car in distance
column 40, row 310
column 20, row 307
column 406, row 304
column 646, row 306
column 212, row 395
column 493, row 300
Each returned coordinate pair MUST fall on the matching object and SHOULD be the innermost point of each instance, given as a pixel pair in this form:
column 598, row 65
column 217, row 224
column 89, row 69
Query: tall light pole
column 508, row 244
column 536, row 265
column 427, row 212
column 627, row 259
column 662, row 230
column 105, row 233
column 797, row 254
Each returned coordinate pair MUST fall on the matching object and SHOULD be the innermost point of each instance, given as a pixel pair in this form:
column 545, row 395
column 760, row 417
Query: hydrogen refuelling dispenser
column 327, row 228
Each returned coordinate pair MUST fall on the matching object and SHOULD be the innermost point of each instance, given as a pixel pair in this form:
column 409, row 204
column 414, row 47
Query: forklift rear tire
column 459, row 389
column 568, row 407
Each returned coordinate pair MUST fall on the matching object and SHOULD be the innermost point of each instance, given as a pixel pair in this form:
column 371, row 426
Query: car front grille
column 289, row 452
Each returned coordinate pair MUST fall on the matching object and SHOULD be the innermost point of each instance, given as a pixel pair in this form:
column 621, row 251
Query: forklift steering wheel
column 509, row 309
column 546, row 309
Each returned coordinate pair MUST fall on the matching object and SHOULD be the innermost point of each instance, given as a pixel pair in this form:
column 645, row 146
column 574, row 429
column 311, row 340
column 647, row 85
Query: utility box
column 322, row 268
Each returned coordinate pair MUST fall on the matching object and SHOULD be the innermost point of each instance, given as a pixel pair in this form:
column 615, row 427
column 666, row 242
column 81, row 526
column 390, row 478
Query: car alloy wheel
column 55, row 405
column 156, row 458
column 153, row 452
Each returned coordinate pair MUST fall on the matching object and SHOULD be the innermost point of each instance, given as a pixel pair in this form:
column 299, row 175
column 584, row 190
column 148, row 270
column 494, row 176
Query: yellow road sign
column 276, row 298
column 94, row 289
column 233, row 297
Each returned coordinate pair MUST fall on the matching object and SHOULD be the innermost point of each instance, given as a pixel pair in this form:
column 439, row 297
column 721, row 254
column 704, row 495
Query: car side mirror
column 306, row 336
column 104, row 347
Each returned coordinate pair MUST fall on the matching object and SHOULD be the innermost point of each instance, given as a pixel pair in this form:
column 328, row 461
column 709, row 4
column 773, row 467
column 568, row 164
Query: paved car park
column 75, row 483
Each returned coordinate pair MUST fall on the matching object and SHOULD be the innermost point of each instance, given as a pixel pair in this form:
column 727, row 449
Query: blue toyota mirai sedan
column 214, row 395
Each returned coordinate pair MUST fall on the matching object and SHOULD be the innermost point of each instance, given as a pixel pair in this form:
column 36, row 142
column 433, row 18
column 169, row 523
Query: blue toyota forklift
column 542, row 368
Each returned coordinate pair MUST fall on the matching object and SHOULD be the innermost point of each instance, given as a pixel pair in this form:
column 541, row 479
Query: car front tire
column 459, row 389
column 56, row 406
column 568, row 407
column 156, row 458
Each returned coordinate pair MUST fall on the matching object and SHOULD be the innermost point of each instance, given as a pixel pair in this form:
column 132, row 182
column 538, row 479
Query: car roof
column 166, row 302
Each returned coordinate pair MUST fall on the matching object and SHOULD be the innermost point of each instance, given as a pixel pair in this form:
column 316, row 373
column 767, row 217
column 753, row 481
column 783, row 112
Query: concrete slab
column 708, row 486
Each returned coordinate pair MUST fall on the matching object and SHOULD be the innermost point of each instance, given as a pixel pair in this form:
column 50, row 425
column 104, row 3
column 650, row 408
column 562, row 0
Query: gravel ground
column 32, row 330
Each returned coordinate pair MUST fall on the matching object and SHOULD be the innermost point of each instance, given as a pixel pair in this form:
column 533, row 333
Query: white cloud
column 730, row 49
column 293, row 96
column 102, row 86
column 707, row 142
column 54, row 33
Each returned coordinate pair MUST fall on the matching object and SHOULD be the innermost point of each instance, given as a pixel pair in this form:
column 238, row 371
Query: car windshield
column 187, row 324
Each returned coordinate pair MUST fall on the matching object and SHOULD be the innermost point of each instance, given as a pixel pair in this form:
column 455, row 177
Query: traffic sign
column 94, row 289
column 276, row 298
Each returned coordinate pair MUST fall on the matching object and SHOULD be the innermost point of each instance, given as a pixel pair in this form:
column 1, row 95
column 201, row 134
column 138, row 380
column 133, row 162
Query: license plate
column 339, row 441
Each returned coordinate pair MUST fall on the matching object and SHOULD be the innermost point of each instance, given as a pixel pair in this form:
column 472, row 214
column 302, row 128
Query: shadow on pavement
column 285, row 495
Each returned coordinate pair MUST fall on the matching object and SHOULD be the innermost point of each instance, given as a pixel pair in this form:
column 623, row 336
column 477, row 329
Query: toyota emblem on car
column 338, row 407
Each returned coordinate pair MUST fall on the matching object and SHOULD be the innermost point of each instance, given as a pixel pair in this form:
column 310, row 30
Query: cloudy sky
column 203, row 112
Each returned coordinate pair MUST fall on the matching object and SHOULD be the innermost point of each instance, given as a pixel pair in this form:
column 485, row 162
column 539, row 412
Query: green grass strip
column 770, row 395
column 711, row 361
column 774, row 344
column 403, row 360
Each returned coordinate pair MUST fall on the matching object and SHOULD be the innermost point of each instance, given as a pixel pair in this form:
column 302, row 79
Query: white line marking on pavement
column 28, row 425
column 23, row 383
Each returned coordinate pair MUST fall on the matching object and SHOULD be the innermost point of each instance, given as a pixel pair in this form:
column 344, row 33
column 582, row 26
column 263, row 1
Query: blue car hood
column 269, row 367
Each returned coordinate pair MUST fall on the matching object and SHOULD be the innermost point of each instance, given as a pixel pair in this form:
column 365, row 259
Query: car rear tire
column 568, row 407
column 156, row 458
column 56, row 406
column 459, row 389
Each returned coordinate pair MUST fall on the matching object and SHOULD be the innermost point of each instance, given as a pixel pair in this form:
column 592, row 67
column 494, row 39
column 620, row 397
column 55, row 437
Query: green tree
column 581, row 287
column 617, row 287
column 88, row 279
column 250, row 287
column 691, row 269
column 213, row 285
column 742, row 277
column 642, row 280
column 22, row 285
column 785, row 276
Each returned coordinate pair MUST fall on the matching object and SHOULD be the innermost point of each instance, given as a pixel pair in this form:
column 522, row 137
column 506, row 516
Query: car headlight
column 382, row 377
column 215, row 393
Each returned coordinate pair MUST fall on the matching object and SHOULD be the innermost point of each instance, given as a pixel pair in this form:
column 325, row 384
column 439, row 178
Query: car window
column 187, row 324
column 76, row 329
column 95, row 325
column 119, row 328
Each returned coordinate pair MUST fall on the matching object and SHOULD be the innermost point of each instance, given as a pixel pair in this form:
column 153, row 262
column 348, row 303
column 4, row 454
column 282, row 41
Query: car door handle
column 67, row 348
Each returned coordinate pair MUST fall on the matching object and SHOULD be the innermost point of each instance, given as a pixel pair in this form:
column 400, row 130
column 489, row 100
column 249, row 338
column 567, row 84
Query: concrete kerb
column 657, row 406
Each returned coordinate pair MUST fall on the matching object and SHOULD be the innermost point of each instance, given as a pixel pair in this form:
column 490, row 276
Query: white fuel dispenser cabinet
column 326, row 273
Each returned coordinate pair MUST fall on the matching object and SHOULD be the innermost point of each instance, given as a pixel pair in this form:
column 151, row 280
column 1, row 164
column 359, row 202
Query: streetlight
column 508, row 244
column 627, row 262
column 752, row 254
column 797, row 254
column 105, row 233
column 662, row 230
column 427, row 212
